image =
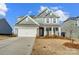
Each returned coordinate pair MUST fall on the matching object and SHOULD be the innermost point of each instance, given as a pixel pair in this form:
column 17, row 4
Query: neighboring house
column 5, row 28
column 71, row 24
column 45, row 23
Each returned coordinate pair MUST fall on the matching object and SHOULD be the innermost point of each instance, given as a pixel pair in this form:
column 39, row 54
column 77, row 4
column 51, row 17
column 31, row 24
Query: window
column 56, row 29
column 54, row 20
column 47, row 11
column 77, row 23
column 48, row 29
column 47, row 20
column 50, row 13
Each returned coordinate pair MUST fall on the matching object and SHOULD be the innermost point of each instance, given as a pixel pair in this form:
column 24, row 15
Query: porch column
column 52, row 31
column 44, row 31
column 37, row 31
column 59, row 31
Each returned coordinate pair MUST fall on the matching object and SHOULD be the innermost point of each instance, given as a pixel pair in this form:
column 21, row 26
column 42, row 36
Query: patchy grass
column 53, row 47
column 2, row 37
column 71, row 45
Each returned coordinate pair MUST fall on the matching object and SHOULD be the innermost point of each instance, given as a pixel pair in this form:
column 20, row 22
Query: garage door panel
column 27, row 32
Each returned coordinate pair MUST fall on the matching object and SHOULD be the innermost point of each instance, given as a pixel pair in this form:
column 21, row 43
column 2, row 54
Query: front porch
column 48, row 31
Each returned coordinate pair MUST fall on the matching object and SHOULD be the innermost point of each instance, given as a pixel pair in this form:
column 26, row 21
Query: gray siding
column 5, row 27
column 67, row 27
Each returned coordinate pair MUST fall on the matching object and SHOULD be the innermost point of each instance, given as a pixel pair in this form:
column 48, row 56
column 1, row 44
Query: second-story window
column 47, row 20
column 54, row 20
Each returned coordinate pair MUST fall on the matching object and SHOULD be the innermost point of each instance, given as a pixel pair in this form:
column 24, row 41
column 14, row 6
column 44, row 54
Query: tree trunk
column 71, row 37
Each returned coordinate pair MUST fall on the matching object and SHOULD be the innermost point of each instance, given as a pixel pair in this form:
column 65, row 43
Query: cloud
column 42, row 8
column 63, row 15
column 54, row 8
column 57, row 10
column 29, row 12
column 3, row 9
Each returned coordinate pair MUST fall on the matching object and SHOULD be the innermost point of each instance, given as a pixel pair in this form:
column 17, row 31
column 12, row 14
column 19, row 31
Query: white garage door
column 27, row 32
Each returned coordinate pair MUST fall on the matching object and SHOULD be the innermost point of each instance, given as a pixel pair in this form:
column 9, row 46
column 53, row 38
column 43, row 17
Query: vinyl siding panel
column 5, row 28
column 66, row 27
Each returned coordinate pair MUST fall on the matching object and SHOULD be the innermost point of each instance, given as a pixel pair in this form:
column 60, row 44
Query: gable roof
column 72, row 18
column 21, row 18
column 46, row 12
column 41, row 12
column 51, row 14
column 24, row 20
column 5, row 28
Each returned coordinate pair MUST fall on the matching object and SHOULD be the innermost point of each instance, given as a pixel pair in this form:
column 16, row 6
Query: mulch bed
column 71, row 45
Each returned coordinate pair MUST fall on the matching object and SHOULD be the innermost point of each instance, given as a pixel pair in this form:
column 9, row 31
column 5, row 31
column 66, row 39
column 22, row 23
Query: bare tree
column 70, row 27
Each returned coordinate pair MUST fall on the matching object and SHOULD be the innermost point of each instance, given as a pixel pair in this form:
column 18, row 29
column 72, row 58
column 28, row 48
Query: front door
column 41, row 31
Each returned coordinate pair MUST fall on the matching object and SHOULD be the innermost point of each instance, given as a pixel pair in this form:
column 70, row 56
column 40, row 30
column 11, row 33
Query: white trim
column 22, row 18
column 33, row 20
column 29, row 18
column 59, row 31
column 39, row 1
column 42, row 11
column 45, row 31
column 52, row 31
column 77, row 22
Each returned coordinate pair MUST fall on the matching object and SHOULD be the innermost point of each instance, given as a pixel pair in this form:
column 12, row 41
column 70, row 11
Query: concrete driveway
column 17, row 46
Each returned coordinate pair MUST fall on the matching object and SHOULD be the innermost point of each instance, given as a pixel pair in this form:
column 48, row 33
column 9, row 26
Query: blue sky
column 19, row 9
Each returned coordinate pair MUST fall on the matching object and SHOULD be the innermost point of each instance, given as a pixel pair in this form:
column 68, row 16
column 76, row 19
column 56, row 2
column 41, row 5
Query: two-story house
column 45, row 23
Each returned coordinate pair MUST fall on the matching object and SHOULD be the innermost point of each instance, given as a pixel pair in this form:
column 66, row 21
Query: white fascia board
column 54, row 13
column 33, row 20
column 22, row 19
column 42, row 11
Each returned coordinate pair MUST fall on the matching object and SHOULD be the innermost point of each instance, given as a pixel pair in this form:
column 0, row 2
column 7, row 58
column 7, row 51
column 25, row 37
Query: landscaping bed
column 71, row 45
